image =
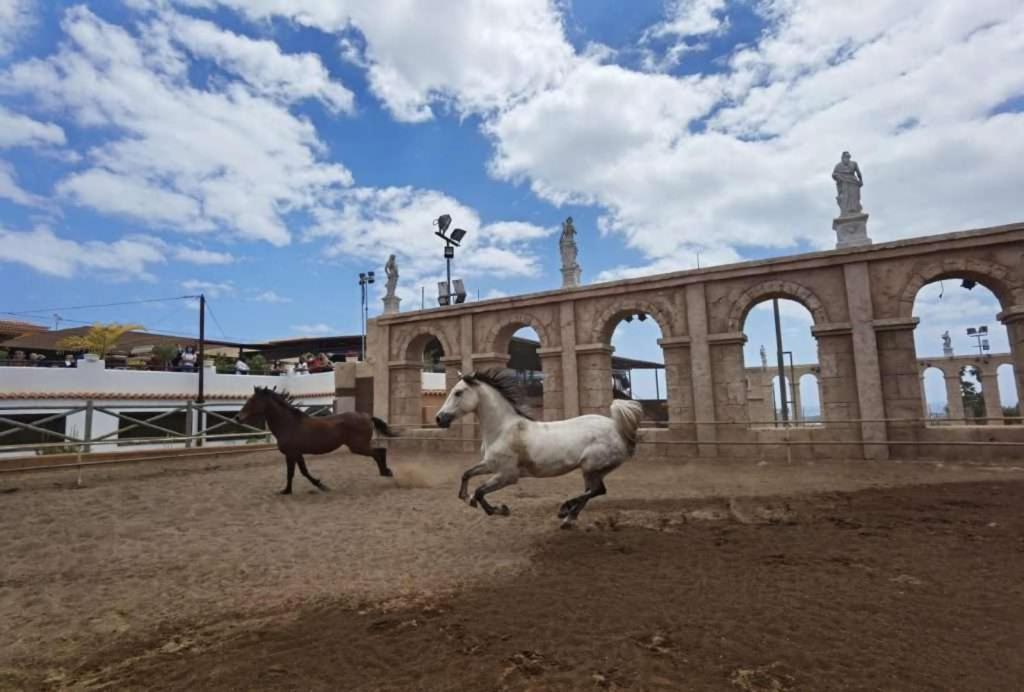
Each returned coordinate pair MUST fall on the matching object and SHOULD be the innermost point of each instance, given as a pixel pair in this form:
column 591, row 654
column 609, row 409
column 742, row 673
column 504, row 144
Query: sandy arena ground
column 689, row 576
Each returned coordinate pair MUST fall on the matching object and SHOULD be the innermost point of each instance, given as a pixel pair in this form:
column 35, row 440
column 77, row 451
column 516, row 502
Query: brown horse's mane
column 506, row 384
column 284, row 398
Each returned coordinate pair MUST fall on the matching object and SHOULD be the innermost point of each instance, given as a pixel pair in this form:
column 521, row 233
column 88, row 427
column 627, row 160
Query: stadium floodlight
column 979, row 333
column 445, row 294
column 459, row 292
column 365, row 279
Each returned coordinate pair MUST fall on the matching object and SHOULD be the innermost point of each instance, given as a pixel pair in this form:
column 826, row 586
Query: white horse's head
column 464, row 398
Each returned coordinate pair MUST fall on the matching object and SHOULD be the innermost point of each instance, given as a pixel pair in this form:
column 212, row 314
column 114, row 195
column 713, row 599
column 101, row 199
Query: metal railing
column 201, row 423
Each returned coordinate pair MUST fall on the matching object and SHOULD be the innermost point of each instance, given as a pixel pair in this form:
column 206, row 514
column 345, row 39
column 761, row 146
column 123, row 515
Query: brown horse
column 298, row 433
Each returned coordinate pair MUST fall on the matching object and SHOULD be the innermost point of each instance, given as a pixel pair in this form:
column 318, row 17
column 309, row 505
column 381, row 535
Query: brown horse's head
column 256, row 406
column 262, row 400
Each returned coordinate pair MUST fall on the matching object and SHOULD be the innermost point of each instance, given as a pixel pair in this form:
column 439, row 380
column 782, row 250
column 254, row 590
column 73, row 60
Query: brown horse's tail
column 383, row 428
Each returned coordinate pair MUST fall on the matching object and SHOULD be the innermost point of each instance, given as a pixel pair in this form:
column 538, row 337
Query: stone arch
column 498, row 337
column 745, row 302
column 411, row 347
column 993, row 276
column 606, row 320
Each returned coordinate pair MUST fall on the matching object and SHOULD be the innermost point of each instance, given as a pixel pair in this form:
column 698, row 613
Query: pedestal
column 571, row 276
column 391, row 305
column 851, row 231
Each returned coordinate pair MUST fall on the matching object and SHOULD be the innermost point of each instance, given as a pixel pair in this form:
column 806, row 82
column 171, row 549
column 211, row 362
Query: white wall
column 92, row 377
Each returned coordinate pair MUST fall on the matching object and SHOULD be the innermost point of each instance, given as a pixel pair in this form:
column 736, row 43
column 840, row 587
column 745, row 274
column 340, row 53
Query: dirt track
column 731, row 576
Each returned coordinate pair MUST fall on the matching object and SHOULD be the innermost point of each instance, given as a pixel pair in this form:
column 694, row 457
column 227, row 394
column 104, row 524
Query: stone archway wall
column 775, row 288
column 861, row 300
column 994, row 276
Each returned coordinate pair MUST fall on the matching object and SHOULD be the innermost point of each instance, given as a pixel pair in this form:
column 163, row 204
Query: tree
column 99, row 339
column 974, row 402
column 163, row 354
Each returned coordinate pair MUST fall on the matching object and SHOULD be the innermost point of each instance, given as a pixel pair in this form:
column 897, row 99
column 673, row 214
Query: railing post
column 87, row 436
column 190, row 428
column 201, row 417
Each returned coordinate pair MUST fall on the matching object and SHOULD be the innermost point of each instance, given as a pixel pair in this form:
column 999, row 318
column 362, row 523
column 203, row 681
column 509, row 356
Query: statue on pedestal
column 849, row 181
column 947, row 344
column 391, row 301
column 851, row 226
column 567, row 246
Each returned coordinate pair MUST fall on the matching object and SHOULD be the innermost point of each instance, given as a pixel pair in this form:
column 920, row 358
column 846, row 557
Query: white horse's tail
column 627, row 415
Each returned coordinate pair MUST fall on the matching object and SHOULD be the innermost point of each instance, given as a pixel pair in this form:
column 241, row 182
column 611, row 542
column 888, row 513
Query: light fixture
column 443, row 222
column 443, row 298
column 457, row 235
column 459, row 291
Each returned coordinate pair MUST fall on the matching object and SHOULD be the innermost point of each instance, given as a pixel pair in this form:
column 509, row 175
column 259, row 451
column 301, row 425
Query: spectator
column 302, row 368
column 188, row 359
column 69, row 361
column 241, row 367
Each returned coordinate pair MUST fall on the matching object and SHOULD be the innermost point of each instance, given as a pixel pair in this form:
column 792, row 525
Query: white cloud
column 222, row 157
column 261, row 63
column 9, row 188
column 691, row 18
column 474, row 56
column 374, row 223
column 270, row 297
column 20, row 130
column 47, row 253
column 211, row 289
column 743, row 158
column 16, row 18
column 194, row 255
column 318, row 329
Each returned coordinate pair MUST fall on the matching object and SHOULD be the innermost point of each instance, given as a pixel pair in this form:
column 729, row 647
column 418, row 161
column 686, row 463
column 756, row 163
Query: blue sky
column 264, row 152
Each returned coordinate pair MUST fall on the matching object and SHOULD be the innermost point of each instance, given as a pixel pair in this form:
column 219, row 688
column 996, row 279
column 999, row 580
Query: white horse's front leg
column 496, row 482
column 478, row 470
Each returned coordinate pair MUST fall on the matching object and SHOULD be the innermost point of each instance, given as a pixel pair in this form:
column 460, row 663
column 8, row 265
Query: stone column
column 990, row 392
column 837, row 384
column 678, row 383
column 570, row 373
column 595, row 377
column 1013, row 318
column 554, row 396
column 901, row 382
column 703, row 392
column 865, row 357
column 730, row 392
column 378, row 346
column 405, row 384
column 954, row 397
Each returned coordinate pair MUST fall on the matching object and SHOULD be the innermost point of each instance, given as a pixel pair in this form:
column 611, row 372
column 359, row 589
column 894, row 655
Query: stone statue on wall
column 849, row 181
column 391, row 270
column 947, row 344
column 764, row 358
column 391, row 301
column 567, row 246
column 851, row 226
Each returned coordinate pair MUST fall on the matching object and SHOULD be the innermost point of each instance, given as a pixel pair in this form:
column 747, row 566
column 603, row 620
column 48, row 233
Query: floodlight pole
column 448, row 255
column 781, row 362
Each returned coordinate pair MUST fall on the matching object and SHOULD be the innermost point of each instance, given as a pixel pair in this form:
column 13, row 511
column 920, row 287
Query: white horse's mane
column 505, row 383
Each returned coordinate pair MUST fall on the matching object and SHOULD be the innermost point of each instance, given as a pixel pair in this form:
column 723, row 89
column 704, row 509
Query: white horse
column 514, row 445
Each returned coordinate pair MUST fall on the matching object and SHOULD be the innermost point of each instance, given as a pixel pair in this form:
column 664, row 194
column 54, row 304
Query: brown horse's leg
column 291, row 474
column 305, row 472
column 380, row 455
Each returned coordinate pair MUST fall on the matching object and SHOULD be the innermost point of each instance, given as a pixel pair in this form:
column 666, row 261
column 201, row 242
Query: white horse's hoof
column 568, row 523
